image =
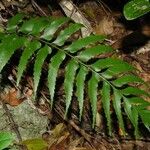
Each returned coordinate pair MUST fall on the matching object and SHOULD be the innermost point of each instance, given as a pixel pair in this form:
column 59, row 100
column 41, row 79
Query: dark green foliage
column 108, row 77
column 136, row 8
column 6, row 139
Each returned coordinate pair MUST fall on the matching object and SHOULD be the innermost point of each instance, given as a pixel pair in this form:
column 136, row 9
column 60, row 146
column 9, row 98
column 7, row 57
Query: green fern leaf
column 80, row 87
column 92, row 92
column 110, row 63
column 132, row 115
column 27, row 53
column 66, row 33
column 2, row 36
column 118, row 69
column 35, row 38
column 53, row 27
column 8, row 47
column 127, row 79
column 117, row 106
column 81, row 43
column 106, row 104
column 68, row 83
column 145, row 116
column 89, row 53
column 40, row 25
column 134, row 91
column 52, row 73
column 139, row 102
column 27, row 26
column 41, row 56
column 14, row 21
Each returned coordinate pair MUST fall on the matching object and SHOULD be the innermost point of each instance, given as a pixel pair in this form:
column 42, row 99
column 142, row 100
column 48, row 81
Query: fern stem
column 76, row 59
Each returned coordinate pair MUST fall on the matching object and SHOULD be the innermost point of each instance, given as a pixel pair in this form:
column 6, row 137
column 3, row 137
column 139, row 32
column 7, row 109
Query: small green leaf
column 136, row 8
column 132, row 115
column 83, row 42
column 52, row 72
column 6, row 139
column 89, row 53
column 135, row 117
column 39, row 26
column 106, row 104
column 27, row 26
column 2, row 36
column 80, row 87
column 27, row 53
column 53, row 27
column 8, row 47
column 92, row 92
column 110, row 62
column 66, row 33
column 117, row 69
column 145, row 116
column 117, row 107
column 35, row 144
column 127, row 79
column 139, row 102
column 41, row 56
column 134, row 91
column 14, row 21
column 70, row 73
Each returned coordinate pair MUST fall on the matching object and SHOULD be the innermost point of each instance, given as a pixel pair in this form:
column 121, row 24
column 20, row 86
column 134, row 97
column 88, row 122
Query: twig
column 86, row 136
column 36, row 6
column 133, row 140
column 12, row 122
column 104, row 7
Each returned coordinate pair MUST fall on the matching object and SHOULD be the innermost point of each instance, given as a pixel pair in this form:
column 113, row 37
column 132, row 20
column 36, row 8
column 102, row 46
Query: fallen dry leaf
column 11, row 97
column 35, row 144
column 105, row 27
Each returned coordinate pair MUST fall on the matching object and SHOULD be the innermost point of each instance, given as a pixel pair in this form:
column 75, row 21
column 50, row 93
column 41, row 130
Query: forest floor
column 30, row 121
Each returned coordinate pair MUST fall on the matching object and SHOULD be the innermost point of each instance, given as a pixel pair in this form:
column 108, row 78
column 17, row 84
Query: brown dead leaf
column 57, row 138
column 61, row 143
column 35, row 144
column 58, row 130
column 73, row 144
column 105, row 27
column 28, row 92
column 11, row 97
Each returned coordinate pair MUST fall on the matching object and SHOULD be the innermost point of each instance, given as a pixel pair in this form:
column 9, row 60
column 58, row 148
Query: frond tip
column 46, row 40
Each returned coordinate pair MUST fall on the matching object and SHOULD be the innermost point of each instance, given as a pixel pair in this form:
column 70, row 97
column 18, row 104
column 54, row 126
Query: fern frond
column 80, row 83
column 71, row 68
column 7, row 48
column 14, row 21
column 81, row 43
column 27, row 53
column 66, row 33
column 52, row 73
column 106, row 104
column 90, row 53
column 134, row 91
column 47, row 38
column 132, row 113
column 111, row 64
column 145, row 118
column 127, row 79
column 53, row 27
column 117, row 107
column 41, row 56
column 93, row 92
